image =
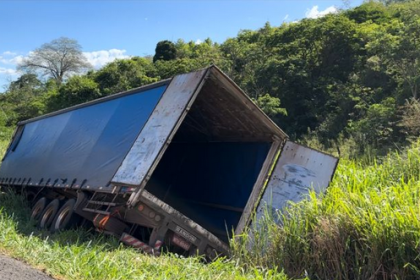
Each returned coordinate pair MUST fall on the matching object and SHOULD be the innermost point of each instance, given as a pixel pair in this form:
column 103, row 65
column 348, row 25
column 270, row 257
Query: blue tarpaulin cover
column 81, row 146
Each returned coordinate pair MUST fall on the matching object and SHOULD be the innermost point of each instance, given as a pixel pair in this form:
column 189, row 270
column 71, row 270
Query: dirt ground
column 11, row 269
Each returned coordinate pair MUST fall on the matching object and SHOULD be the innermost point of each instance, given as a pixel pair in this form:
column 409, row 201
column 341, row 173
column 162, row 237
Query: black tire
column 65, row 218
column 38, row 208
column 48, row 215
column 30, row 197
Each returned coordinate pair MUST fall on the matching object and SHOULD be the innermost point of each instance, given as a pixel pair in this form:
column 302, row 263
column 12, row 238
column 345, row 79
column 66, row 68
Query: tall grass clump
column 366, row 226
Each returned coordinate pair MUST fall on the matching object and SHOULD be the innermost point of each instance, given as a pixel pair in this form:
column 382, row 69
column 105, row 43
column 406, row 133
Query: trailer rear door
column 298, row 170
column 157, row 133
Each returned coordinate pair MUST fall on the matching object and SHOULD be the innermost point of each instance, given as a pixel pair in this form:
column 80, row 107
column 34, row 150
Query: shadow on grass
column 16, row 208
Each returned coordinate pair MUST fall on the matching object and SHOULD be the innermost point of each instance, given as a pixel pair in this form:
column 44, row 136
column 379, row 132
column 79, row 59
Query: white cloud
column 198, row 42
column 8, row 63
column 8, row 53
column 16, row 60
column 286, row 17
column 315, row 13
column 100, row 58
column 10, row 58
column 8, row 71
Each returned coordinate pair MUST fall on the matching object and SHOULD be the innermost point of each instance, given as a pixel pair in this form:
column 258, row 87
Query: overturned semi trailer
column 183, row 163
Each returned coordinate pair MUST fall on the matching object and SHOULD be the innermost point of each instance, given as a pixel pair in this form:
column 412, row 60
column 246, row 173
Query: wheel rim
column 62, row 217
column 47, row 217
column 36, row 211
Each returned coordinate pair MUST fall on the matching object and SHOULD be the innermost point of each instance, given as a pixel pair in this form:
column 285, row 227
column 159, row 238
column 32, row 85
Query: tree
column 270, row 105
column 57, row 59
column 388, row 2
column 124, row 74
column 411, row 117
column 23, row 99
column 27, row 82
column 378, row 127
column 165, row 50
column 76, row 90
column 370, row 11
column 397, row 49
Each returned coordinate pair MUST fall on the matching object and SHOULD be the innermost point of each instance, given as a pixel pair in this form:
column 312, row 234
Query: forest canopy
column 349, row 79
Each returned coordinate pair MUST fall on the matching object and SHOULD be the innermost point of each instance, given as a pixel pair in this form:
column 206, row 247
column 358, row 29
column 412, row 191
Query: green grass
column 3, row 147
column 367, row 226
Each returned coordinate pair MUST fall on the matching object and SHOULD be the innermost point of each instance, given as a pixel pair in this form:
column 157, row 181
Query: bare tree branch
column 58, row 59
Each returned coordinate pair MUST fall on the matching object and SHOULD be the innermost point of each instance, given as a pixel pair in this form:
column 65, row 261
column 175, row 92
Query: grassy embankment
column 367, row 226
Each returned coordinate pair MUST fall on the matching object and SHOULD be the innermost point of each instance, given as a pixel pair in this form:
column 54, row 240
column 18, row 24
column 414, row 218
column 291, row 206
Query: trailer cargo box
column 184, row 163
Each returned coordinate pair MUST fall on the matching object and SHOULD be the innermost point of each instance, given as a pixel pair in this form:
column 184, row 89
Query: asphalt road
column 11, row 269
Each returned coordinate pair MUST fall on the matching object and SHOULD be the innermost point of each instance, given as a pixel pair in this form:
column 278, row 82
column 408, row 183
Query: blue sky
column 117, row 29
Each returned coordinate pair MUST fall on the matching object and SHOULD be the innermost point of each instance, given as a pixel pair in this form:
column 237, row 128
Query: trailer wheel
column 65, row 217
column 49, row 214
column 38, row 207
column 30, row 197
